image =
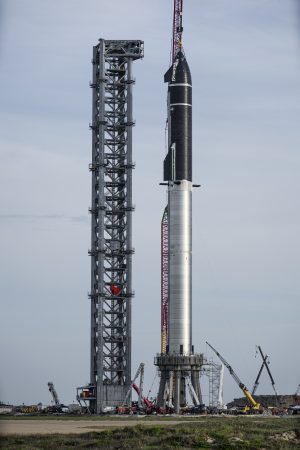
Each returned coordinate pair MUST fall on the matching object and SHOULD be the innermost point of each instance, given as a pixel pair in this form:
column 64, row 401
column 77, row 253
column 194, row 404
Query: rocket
column 178, row 175
column 178, row 364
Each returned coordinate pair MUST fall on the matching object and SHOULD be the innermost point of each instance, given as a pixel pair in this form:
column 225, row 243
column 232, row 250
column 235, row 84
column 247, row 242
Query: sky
column 245, row 62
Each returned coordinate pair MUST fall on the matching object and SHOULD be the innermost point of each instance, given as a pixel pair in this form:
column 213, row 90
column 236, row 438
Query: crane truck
column 143, row 404
column 57, row 406
column 253, row 405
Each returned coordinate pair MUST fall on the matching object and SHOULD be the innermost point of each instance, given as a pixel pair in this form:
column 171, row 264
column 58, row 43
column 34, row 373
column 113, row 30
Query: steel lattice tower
column 164, row 279
column 215, row 374
column 111, row 234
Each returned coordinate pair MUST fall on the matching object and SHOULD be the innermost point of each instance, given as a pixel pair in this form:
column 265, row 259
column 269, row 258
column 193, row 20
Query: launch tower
column 111, row 233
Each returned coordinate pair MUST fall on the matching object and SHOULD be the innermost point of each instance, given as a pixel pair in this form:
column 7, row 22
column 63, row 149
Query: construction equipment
column 296, row 396
column 139, row 373
column 177, row 28
column 53, row 392
column 215, row 373
column 256, row 383
column 220, row 403
column 192, row 391
column 164, row 280
column 148, row 404
column 142, row 401
column 253, row 404
column 265, row 364
column 57, row 407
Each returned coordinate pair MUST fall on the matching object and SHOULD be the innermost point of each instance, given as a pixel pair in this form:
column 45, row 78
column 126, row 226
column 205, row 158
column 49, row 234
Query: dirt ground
column 27, row 427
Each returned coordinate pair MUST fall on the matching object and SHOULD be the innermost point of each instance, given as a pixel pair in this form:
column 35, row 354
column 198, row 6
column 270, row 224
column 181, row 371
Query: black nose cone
column 179, row 72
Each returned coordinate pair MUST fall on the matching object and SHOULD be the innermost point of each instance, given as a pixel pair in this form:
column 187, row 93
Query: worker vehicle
column 27, row 409
column 123, row 409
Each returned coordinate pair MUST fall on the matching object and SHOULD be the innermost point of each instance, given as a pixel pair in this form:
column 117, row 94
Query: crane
column 296, row 396
column 265, row 363
column 164, row 280
column 256, row 383
column 192, row 391
column 247, row 394
column 145, row 400
column 177, row 28
column 53, row 393
column 139, row 389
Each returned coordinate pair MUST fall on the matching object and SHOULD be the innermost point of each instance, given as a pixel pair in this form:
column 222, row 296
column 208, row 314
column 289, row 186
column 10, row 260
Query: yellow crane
column 253, row 404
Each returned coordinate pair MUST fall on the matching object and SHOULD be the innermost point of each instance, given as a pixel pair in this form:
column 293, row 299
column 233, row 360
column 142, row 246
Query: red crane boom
column 164, row 280
column 177, row 28
column 145, row 399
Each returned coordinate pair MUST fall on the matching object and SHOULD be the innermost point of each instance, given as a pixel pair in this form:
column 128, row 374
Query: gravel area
column 27, row 427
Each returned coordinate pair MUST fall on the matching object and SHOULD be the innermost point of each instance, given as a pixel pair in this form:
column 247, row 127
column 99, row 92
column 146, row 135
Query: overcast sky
column 245, row 62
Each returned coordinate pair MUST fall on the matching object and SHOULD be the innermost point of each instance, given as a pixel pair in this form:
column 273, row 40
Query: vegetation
column 202, row 433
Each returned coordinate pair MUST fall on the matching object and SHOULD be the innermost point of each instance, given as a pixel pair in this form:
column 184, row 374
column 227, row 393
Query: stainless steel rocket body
column 180, row 267
column 178, row 173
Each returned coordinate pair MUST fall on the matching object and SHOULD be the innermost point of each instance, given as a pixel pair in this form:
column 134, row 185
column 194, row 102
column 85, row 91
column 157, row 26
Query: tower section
column 111, row 222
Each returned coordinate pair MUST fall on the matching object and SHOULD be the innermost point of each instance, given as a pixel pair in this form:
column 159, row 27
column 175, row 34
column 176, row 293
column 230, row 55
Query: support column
column 177, row 392
column 195, row 379
column 182, row 367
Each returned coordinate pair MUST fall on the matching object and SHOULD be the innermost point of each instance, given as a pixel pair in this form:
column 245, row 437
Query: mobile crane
column 57, row 407
column 142, row 401
column 253, row 404
column 53, row 392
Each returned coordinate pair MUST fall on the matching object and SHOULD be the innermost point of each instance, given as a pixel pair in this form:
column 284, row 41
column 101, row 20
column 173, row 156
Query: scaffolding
column 111, row 224
column 215, row 374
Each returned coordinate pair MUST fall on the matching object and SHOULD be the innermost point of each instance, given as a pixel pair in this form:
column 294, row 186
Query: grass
column 203, row 433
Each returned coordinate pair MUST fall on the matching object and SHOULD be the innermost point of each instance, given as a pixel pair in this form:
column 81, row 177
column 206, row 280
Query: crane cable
column 150, row 390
